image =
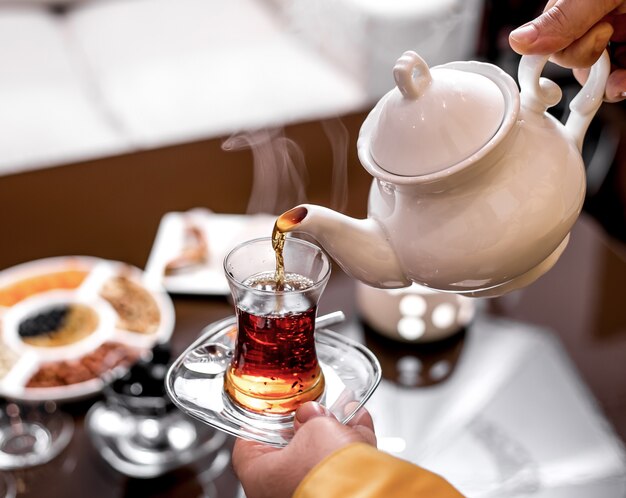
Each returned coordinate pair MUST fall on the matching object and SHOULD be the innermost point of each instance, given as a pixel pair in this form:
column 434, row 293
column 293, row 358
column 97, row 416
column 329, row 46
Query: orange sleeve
column 362, row 471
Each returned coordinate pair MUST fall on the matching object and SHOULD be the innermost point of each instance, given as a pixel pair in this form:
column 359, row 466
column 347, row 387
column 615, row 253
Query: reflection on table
column 510, row 417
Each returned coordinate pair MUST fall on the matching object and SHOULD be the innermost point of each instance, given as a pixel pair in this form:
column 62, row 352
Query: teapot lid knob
column 412, row 75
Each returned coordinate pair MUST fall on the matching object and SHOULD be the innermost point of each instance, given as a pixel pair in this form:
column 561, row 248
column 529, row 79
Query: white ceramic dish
column 475, row 186
column 222, row 232
column 28, row 358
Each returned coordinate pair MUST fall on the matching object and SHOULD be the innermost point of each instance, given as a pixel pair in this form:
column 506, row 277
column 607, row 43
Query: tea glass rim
column 319, row 282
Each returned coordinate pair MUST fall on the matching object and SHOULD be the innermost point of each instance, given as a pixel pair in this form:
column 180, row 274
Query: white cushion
column 191, row 69
column 48, row 113
column 366, row 37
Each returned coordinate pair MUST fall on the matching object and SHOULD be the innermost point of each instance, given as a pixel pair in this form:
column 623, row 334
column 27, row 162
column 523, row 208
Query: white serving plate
column 221, row 231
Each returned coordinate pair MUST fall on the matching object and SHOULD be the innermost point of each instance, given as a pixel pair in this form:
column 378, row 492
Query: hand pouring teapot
column 475, row 186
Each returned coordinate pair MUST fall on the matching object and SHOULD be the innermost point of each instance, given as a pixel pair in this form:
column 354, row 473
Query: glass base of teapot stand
column 195, row 383
column 148, row 447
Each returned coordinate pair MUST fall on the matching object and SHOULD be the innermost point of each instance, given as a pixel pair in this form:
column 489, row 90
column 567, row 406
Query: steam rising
column 337, row 134
column 280, row 175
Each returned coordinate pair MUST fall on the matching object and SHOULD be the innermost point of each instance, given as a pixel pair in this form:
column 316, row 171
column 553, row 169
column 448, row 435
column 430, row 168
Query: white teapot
column 475, row 186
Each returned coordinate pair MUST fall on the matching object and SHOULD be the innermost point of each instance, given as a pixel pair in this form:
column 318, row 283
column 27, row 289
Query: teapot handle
column 584, row 106
column 537, row 93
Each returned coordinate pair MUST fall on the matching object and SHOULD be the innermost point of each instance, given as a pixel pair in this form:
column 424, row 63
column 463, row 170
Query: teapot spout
column 360, row 247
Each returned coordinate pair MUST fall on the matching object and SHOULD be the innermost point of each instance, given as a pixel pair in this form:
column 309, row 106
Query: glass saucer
column 195, row 383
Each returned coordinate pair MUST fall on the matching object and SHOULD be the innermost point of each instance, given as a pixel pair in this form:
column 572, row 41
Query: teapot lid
column 434, row 118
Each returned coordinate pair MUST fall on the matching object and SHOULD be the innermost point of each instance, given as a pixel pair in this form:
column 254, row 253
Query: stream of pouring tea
column 283, row 224
column 278, row 244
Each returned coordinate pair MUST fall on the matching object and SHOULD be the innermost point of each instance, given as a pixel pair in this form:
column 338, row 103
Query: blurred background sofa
column 84, row 80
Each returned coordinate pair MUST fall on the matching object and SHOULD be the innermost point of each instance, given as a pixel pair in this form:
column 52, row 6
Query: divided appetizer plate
column 67, row 322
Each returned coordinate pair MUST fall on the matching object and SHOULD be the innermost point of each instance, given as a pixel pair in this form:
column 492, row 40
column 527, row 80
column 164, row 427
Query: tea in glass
column 275, row 366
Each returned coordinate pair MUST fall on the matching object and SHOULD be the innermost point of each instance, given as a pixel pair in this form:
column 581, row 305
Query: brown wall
column 111, row 207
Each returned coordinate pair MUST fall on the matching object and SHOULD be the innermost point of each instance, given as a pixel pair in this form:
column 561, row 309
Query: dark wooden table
column 111, row 208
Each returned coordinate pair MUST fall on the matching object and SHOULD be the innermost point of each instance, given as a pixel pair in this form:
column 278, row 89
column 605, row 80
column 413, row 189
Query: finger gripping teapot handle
column 588, row 100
